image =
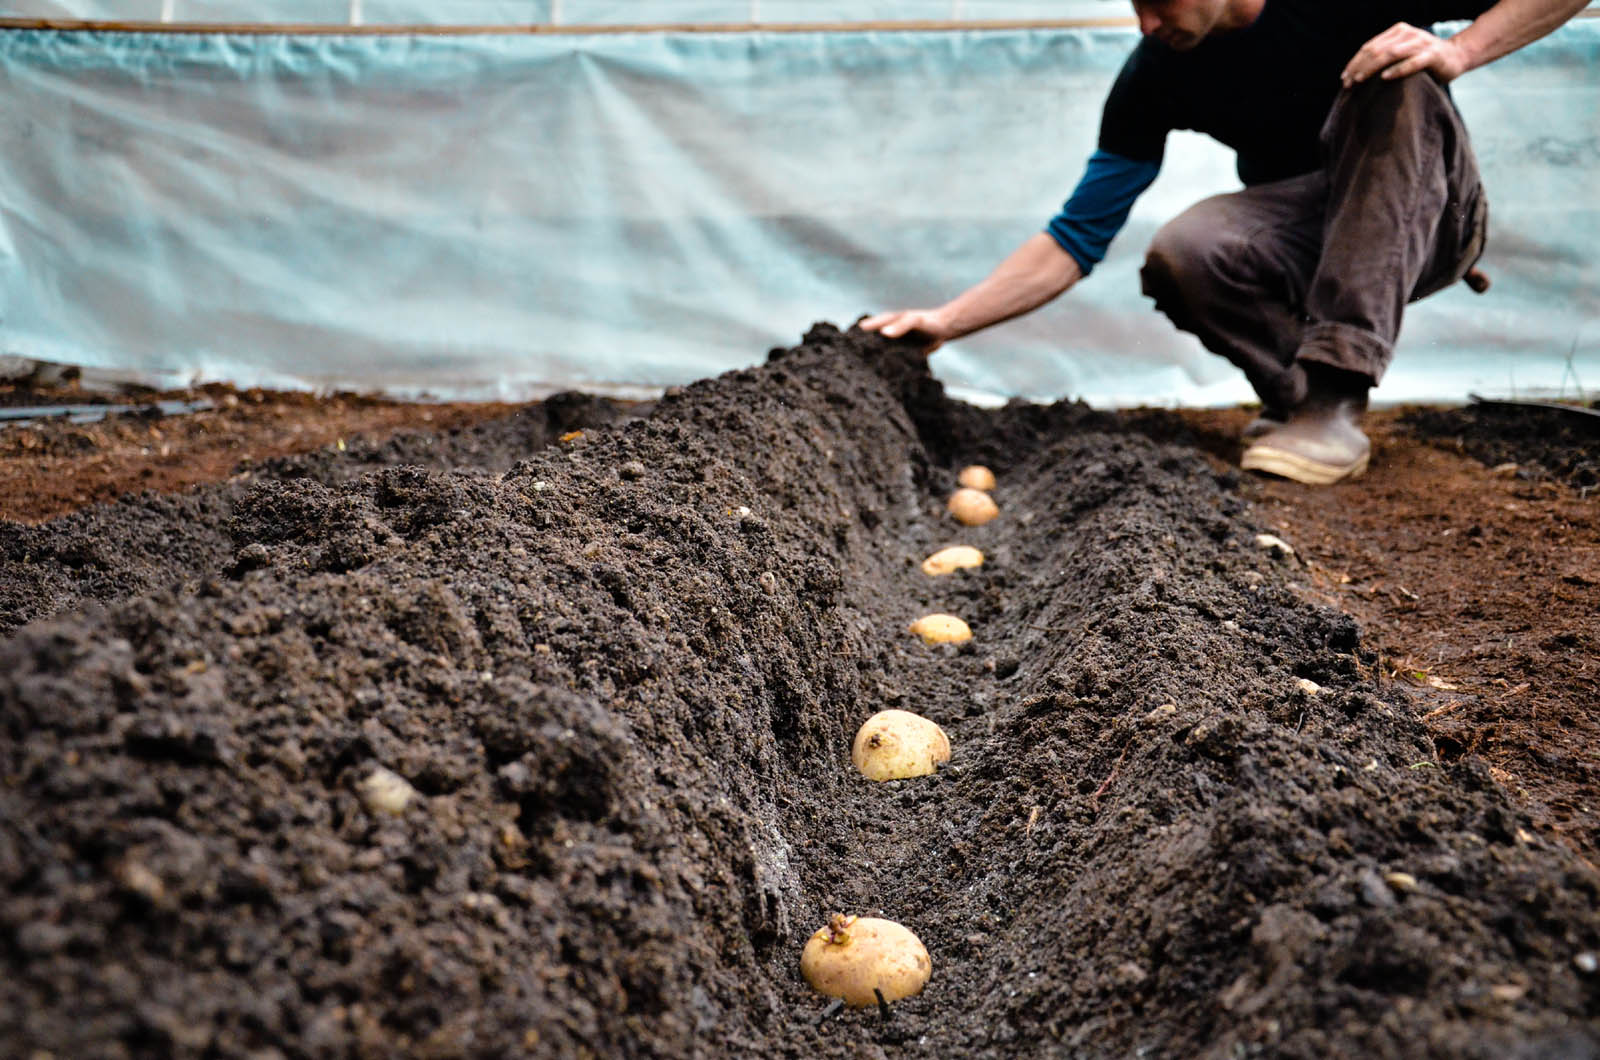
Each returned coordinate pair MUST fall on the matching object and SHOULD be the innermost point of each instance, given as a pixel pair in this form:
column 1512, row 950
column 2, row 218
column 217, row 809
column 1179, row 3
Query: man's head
column 1182, row 24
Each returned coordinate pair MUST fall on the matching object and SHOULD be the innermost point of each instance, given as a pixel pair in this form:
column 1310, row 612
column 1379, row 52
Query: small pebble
column 1129, row 973
column 141, row 881
column 1403, row 882
column 632, row 470
column 1274, row 544
column 386, row 792
column 1308, row 686
column 1587, row 963
column 769, row 581
column 1161, row 713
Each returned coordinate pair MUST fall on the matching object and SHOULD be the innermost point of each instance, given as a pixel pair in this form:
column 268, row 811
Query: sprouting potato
column 941, row 629
column 972, row 507
column 385, row 792
column 977, row 477
column 853, row 956
column 896, row 744
column 954, row 558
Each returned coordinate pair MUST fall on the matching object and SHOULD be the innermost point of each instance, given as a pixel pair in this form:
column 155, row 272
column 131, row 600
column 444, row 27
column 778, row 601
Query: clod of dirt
column 972, row 507
column 954, row 558
column 897, row 744
column 941, row 629
column 860, row 959
column 976, row 476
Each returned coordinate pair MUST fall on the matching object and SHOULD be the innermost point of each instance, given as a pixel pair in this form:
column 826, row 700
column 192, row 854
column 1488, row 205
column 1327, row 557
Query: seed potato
column 976, row 476
column 972, row 507
column 941, row 629
column 954, row 558
column 852, row 956
column 896, row 744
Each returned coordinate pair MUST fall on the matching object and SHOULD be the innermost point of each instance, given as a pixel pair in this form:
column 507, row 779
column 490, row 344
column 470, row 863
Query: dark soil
column 54, row 466
column 623, row 676
column 147, row 539
column 1540, row 442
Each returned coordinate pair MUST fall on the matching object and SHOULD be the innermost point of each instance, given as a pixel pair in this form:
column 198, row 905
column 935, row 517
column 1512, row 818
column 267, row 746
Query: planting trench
column 631, row 751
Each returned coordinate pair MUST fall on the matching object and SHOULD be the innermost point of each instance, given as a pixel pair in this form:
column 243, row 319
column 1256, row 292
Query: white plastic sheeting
column 507, row 214
column 561, row 12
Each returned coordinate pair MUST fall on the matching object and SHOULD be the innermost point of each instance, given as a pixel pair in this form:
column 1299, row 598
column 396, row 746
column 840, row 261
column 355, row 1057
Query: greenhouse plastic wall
column 503, row 214
column 563, row 12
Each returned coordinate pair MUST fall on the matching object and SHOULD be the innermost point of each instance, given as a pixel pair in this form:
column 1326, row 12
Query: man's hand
column 1036, row 272
column 1403, row 50
column 920, row 325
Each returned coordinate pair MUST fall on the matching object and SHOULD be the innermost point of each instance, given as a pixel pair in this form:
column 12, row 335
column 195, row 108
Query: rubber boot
column 1322, row 441
column 1268, row 419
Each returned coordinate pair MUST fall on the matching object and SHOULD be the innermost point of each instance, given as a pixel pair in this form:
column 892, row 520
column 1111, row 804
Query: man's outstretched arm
column 1044, row 267
column 1403, row 50
column 1035, row 273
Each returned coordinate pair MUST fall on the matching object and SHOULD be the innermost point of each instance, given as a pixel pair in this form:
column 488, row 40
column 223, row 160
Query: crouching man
column 1361, row 194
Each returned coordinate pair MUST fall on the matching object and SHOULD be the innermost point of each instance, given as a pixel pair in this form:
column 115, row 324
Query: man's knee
column 1181, row 262
column 1375, row 106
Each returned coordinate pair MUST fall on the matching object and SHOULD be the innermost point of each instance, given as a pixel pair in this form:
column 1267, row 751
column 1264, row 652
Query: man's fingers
column 1415, row 64
column 894, row 325
column 915, row 324
column 1376, row 60
column 1395, row 44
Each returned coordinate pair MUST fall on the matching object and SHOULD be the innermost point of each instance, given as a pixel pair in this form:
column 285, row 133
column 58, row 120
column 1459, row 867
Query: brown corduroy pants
column 1318, row 269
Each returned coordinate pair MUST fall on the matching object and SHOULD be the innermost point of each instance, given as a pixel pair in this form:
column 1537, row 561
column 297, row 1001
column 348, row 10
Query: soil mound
column 620, row 679
column 109, row 551
column 1543, row 441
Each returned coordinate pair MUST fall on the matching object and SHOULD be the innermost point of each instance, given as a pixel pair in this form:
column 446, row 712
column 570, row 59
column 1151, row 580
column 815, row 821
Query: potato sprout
column 954, row 558
column 972, row 507
column 941, row 629
column 976, row 477
column 896, row 744
column 854, row 956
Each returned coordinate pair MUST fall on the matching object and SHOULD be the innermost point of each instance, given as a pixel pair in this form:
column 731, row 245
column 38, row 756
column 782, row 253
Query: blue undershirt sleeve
column 1099, row 206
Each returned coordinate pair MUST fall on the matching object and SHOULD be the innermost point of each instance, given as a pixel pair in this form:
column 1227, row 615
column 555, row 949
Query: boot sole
column 1281, row 462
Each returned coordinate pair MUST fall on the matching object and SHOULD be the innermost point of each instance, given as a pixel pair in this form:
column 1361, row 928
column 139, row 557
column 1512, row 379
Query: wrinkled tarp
column 504, row 214
column 562, row 12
